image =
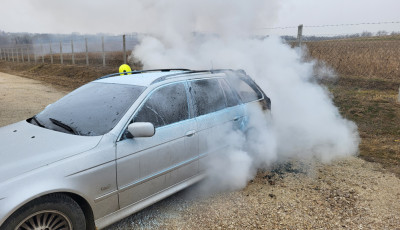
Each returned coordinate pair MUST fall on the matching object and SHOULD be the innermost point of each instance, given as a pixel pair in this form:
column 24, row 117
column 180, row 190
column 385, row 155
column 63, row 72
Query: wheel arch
column 81, row 201
column 86, row 208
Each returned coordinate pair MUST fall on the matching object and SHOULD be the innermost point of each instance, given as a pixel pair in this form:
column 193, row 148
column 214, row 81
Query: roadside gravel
column 349, row 193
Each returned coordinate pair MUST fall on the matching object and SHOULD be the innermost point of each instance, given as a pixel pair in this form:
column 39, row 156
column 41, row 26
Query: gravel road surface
column 346, row 194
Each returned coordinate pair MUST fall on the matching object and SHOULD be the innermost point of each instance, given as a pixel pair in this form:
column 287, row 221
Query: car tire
column 48, row 213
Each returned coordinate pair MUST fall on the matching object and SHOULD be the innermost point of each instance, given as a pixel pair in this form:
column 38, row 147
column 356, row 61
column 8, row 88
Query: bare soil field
column 349, row 193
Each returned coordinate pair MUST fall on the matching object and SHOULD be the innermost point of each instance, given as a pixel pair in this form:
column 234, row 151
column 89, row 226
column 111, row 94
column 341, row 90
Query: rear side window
column 245, row 91
column 208, row 96
column 231, row 97
column 165, row 106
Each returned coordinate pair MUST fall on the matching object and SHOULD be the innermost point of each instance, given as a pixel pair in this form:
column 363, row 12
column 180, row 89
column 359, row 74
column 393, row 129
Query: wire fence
column 96, row 50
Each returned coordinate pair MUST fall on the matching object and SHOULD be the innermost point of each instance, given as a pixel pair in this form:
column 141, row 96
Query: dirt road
column 346, row 194
column 21, row 98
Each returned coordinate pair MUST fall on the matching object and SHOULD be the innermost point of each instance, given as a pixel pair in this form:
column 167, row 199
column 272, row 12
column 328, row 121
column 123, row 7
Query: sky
column 126, row 16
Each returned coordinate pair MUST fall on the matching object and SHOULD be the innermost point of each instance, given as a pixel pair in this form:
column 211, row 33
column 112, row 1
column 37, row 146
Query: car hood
column 25, row 147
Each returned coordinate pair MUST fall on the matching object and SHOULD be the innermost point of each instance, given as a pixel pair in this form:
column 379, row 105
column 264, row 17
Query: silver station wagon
column 117, row 145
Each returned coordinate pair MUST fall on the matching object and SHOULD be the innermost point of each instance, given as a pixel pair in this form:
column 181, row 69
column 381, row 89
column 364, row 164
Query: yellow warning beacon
column 124, row 69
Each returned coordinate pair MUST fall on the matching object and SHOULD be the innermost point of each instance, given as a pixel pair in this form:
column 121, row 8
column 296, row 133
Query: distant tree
column 381, row 33
column 366, row 34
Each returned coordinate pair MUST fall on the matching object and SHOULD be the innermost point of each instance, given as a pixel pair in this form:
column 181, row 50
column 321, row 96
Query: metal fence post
column 51, row 54
column 8, row 54
column 61, row 54
column 398, row 97
column 22, row 55
column 102, row 49
column 29, row 56
column 87, row 52
column 1, row 54
column 41, row 47
column 72, row 52
column 299, row 34
column 16, row 51
column 12, row 53
column 124, row 47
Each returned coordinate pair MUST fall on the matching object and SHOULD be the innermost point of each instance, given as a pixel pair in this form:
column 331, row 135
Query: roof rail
column 162, row 78
column 141, row 71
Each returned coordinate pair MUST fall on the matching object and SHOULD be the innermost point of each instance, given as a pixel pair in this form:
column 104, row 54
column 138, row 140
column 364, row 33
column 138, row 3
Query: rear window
column 208, row 96
column 231, row 97
column 245, row 91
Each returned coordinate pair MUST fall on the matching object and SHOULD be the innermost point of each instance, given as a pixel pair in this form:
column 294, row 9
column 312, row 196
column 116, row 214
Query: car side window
column 208, row 96
column 231, row 97
column 165, row 106
column 245, row 91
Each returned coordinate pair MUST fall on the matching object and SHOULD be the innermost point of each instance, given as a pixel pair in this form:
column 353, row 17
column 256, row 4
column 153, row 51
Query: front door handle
column 190, row 133
column 236, row 118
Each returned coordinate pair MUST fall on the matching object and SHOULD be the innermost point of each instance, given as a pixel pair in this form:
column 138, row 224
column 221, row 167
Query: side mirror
column 141, row 129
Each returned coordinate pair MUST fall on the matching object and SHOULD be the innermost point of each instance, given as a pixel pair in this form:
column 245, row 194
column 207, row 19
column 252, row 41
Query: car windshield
column 91, row 110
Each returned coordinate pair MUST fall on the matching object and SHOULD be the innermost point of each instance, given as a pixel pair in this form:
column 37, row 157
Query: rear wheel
column 53, row 212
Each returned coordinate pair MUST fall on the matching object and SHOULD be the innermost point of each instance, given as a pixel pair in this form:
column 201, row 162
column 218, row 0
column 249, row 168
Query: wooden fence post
column 72, row 52
column 51, row 54
column 102, row 49
column 61, row 54
column 124, row 47
column 299, row 34
column 87, row 52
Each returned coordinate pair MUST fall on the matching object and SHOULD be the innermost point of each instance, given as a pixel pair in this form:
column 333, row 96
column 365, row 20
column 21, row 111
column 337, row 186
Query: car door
column 215, row 115
column 148, row 165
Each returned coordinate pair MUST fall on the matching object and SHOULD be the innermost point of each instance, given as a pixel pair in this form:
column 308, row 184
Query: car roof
column 142, row 79
column 149, row 77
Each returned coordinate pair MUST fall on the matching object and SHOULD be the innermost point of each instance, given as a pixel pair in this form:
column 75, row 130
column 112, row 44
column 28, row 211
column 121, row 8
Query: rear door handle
column 190, row 133
column 236, row 118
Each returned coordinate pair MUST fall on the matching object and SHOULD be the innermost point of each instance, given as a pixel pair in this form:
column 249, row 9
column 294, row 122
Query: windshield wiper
column 64, row 126
column 37, row 122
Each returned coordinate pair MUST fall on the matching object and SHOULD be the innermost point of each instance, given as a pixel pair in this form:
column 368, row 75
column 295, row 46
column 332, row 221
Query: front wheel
column 52, row 212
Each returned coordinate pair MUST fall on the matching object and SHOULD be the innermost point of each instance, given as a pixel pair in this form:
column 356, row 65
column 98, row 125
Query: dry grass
column 377, row 57
column 367, row 90
column 372, row 104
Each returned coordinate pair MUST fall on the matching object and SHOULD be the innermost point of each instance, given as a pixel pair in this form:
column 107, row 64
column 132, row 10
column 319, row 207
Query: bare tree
column 381, row 33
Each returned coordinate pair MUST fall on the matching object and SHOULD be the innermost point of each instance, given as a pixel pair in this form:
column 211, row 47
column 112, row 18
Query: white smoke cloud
column 304, row 123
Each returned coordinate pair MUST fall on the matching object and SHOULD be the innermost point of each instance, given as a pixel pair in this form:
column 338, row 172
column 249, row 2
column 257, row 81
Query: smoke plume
column 221, row 34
